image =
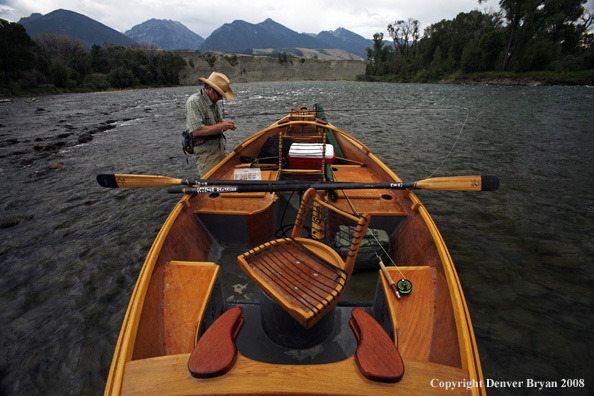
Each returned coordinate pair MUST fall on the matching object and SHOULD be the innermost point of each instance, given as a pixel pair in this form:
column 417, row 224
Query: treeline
column 56, row 63
column 545, row 39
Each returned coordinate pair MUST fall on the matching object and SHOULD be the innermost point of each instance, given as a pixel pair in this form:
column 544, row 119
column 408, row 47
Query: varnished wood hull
column 178, row 293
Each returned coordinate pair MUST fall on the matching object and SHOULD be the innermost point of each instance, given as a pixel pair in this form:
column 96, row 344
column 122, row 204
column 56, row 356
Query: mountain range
column 237, row 36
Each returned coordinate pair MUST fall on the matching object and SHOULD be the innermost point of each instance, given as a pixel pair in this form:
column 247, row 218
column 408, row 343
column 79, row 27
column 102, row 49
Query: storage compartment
column 309, row 155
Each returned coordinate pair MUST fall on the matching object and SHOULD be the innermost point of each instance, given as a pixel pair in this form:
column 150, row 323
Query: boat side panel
column 186, row 241
column 418, row 242
column 187, row 288
column 413, row 245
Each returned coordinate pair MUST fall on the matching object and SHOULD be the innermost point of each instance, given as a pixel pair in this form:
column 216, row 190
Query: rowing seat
column 306, row 276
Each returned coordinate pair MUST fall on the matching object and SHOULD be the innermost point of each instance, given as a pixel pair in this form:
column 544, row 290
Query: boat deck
column 169, row 375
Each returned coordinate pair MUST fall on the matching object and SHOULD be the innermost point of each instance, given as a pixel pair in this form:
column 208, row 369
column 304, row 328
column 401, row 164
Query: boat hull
column 186, row 282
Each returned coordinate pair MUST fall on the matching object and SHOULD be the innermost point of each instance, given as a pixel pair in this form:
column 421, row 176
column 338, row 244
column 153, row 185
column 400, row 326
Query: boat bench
column 373, row 201
column 230, row 217
column 382, row 205
column 420, row 319
column 167, row 374
column 185, row 298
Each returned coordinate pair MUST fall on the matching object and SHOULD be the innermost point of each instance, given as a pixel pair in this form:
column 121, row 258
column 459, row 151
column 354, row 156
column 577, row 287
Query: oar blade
column 490, row 182
column 460, row 183
column 134, row 181
column 107, row 181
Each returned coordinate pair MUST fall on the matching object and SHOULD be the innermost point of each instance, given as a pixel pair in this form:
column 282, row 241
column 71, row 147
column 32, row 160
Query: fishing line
column 453, row 145
column 407, row 109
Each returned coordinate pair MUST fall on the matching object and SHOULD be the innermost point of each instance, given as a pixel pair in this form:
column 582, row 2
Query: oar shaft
column 133, row 181
column 460, row 183
column 300, row 186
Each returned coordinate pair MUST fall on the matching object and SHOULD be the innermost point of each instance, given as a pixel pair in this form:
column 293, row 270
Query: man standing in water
column 204, row 121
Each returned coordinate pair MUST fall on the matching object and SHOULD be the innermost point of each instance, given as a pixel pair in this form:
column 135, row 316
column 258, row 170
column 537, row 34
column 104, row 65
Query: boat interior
column 194, row 280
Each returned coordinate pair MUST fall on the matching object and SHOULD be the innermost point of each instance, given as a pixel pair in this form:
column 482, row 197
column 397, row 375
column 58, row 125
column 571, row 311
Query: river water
column 71, row 251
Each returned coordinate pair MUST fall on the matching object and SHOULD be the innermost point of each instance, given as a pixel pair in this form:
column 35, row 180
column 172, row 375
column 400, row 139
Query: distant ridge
column 165, row 34
column 344, row 39
column 267, row 37
column 74, row 25
column 239, row 36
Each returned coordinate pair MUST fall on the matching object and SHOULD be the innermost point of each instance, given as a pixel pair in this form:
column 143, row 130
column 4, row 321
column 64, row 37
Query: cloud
column 202, row 17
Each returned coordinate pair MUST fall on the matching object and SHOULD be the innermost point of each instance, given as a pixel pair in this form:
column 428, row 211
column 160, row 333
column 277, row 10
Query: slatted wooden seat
column 306, row 276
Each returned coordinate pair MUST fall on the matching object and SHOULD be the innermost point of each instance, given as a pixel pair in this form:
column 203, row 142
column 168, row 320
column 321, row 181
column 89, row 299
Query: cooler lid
column 310, row 150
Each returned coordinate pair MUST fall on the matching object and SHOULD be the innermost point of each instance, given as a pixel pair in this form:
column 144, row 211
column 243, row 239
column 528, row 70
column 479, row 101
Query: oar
column 134, row 181
column 456, row 183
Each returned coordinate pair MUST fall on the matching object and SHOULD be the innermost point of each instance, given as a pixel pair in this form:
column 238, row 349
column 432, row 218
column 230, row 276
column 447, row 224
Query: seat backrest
column 331, row 226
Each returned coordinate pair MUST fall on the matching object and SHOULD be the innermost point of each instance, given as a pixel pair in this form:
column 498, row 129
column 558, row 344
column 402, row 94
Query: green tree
column 18, row 53
column 405, row 35
column 544, row 20
column 461, row 42
column 377, row 56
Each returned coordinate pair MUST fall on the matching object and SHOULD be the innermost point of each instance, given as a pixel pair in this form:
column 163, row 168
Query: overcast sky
column 202, row 17
column 364, row 17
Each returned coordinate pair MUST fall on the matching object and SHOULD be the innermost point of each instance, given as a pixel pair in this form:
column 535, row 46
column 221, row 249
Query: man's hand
column 213, row 129
column 226, row 125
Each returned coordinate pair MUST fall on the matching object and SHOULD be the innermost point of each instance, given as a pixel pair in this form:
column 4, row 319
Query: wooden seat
column 306, row 276
column 216, row 353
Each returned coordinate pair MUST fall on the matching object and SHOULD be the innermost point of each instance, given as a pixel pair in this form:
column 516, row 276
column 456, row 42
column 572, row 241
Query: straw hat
column 220, row 83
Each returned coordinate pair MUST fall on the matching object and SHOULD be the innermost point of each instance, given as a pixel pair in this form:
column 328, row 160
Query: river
column 71, row 251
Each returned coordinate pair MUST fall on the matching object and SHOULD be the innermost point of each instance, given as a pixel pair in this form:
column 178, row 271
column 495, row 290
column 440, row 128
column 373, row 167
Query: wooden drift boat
column 255, row 287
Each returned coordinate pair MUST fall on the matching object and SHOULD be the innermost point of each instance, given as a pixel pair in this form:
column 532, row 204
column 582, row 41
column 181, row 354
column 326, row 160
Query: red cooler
column 309, row 155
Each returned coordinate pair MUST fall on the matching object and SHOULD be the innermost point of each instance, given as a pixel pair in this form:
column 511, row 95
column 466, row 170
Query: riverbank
column 544, row 78
column 239, row 68
column 250, row 69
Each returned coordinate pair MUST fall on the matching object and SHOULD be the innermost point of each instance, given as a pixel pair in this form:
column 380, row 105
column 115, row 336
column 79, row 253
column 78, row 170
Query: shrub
column 122, row 77
column 95, row 82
